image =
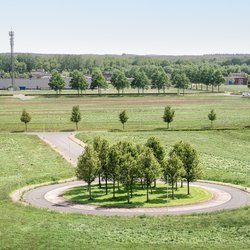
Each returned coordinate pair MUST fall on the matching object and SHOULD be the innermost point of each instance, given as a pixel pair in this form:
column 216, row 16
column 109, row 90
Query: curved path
column 50, row 197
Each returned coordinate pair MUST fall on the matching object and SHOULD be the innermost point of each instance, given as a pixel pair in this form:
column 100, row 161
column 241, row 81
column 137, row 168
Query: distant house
column 237, row 79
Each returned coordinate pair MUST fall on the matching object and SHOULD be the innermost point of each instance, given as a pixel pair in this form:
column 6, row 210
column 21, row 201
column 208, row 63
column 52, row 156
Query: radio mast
column 11, row 34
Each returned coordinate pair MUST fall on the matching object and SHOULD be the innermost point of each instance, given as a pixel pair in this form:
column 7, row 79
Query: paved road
column 50, row 197
column 62, row 142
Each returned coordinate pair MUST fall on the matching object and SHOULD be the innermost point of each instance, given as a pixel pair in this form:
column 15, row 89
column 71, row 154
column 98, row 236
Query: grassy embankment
column 31, row 228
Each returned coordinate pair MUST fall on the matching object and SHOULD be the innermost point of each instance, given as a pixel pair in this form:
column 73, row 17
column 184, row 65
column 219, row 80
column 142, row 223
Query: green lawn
column 156, row 199
column 145, row 113
column 224, row 154
column 30, row 228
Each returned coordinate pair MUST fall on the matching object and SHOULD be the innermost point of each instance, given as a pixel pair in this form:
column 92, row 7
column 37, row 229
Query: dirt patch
column 23, row 97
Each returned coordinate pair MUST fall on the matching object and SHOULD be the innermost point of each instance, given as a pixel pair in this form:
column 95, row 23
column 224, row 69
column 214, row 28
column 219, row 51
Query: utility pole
column 11, row 34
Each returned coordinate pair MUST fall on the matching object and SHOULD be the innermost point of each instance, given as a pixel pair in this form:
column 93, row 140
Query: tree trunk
column 183, row 91
column 89, row 187
column 142, row 186
column 168, row 125
column 138, row 91
column 207, row 87
column 118, row 184
column 182, row 183
column 154, row 183
column 218, row 88
column 78, row 92
column 178, row 93
column 211, row 124
column 26, row 126
column 76, row 126
column 123, row 126
column 158, row 91
column 188, row 189
column 172, row 190
column 106, row 185
column 99, row 180
column 114, row 188
column 201, row 86
column 176, row 185
column 147, row 193
column 212, row 88
column 128, row 195
column 151, row 190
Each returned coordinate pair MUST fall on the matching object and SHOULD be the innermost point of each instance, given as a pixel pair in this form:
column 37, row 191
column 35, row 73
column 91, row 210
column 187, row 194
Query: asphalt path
column 64, row 143
column 51, row 197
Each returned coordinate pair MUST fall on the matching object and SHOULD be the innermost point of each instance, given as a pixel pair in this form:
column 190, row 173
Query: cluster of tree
column 128, row 164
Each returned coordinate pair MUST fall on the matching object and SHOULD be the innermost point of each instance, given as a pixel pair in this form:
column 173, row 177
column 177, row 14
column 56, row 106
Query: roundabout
column 51, row 198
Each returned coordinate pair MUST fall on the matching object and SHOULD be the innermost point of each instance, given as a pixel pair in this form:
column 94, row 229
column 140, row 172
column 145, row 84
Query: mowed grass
column 158, row 197
column 223, row 154
column 26, row 160
column 145, row 112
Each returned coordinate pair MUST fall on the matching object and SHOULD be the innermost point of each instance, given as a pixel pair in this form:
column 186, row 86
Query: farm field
column 145, row 113
column 29, row 228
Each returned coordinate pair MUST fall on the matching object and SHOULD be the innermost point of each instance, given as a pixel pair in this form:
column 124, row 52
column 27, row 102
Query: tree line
column 126, row 164
column 139, row 80
column 76, row 116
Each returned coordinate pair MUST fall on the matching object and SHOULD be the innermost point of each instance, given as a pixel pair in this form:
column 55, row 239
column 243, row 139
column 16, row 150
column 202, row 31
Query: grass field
column 145, row 113
column 156, row 199
column 224, row 154
column 29, row 228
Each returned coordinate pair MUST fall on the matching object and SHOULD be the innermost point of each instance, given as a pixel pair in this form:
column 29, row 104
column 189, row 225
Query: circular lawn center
column 158, row 198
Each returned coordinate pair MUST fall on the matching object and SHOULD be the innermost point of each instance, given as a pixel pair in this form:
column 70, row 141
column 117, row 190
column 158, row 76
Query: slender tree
column 180, row 81
column 114, row 162
column 97, row 145
column 98, row 81
column 78, row 81
column 25, row 118
column 150, row 168
column 212, row 117
column 119, row 81
column 168, row 115
column 88, row 167
column 76, row 115
column 172, row 170
column 123, row 117
column 190, row 161
column 57, row 82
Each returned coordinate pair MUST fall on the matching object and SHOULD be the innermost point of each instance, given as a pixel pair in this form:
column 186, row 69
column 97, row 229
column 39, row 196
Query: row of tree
column 159, row 80
column 128, row 164
column 76, row 116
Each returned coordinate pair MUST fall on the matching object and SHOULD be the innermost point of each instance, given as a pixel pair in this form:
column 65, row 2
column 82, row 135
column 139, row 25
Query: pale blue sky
column 170, row 27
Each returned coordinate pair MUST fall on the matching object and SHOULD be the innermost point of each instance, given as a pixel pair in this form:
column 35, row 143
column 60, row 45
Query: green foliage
column 119, row 81
column 88, row 167
column 180, row 80
column 78, row 81
column 140, row 81
column 168, row 115
column 172, row 170
column 25, row 118
column 212, row 117
column 150, row 168
column 160, row 80
column 123, row 117
column 158, row 150
column 190, row 160
column 56, row 82
column 76, row 115
column 98, row 80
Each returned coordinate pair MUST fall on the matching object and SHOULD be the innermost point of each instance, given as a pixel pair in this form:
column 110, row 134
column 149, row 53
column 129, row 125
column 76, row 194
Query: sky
column 143, row 27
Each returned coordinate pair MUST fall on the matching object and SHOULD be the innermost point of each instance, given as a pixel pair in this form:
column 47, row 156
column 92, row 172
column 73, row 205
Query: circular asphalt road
column 51, row 198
